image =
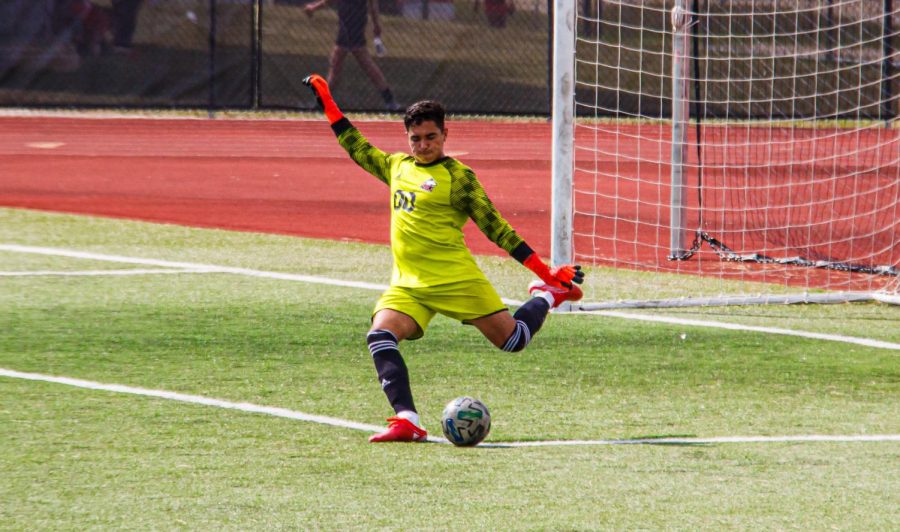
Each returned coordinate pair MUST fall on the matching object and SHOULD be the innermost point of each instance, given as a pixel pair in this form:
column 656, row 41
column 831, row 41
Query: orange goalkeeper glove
column 560, row 277
column 568, row 274
column 323, row 96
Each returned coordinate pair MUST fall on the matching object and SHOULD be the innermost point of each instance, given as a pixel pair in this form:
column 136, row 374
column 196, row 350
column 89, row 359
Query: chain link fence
column 477, row 56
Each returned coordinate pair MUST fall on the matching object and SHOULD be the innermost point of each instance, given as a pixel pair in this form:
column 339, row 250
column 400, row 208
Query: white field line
column 96, row 273
column 207, row 268
column 58, row 252
column 800, row 438
column 343, row 423
column 752, row 328
column 194, row 399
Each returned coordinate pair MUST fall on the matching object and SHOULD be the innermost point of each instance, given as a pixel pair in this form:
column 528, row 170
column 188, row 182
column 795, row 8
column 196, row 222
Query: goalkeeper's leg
column 513, row 332
column 529, row 319
column 388, row 328
column 391, row 369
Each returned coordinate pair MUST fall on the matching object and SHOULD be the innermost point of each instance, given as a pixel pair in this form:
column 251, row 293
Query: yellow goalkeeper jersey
column 430, row 204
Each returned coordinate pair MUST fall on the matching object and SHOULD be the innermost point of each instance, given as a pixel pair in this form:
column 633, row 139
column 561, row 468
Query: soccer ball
column 466, row 421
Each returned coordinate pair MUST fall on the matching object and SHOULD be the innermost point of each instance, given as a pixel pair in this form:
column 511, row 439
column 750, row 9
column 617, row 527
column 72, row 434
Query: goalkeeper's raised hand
column 561, row 276
column 319, row 86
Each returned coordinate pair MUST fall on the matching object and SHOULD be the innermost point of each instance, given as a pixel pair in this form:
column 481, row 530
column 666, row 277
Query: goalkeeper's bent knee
column 519, row 338
column 529, row 319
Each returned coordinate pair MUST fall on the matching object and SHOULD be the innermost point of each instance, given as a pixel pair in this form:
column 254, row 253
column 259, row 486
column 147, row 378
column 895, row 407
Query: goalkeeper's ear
column 319, row 86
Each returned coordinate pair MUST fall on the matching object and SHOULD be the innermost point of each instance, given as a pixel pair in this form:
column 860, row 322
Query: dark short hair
column 423, row 111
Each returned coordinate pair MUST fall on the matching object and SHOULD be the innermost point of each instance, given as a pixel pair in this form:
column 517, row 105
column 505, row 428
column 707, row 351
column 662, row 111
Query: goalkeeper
column 432, row 197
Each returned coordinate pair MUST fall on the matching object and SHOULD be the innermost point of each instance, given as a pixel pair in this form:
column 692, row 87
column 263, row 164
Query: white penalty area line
column 208, row 268
column 343, row 423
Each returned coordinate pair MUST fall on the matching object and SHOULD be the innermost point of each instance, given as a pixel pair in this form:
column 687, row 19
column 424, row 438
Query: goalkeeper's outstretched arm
column 469, row 196
column 560, row 276
column 370, row 158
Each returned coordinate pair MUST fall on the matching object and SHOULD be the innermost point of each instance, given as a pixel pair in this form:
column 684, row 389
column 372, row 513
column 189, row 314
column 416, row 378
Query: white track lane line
column 343, row 423
column 380, row 287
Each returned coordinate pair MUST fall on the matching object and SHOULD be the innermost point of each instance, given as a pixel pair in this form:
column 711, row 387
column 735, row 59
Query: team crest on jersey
column 429, row 185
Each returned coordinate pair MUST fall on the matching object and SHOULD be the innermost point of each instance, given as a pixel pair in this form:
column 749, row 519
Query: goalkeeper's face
column 426, row 141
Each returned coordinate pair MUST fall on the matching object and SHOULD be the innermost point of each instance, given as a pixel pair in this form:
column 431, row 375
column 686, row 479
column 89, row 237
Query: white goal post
column 746, row 151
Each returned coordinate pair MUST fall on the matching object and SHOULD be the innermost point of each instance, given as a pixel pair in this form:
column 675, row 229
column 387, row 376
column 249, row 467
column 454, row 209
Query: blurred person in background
column 84, row 24
column 353, row 16
column 124, row 14
column 497, row 12
column 93, row 28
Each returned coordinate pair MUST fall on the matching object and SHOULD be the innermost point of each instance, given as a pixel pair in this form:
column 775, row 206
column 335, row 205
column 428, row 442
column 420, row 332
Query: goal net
column 751, row 148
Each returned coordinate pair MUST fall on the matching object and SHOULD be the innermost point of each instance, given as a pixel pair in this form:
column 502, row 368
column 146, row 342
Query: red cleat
column 560, row 295
column 400, row 429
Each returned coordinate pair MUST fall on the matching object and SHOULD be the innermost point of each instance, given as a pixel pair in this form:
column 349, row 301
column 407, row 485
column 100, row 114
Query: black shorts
column 353, row 15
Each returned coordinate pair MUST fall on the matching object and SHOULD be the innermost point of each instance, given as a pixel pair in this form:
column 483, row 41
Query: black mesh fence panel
column 164, row 53
column 804, row 57
column 472, row 55
column 478, row 56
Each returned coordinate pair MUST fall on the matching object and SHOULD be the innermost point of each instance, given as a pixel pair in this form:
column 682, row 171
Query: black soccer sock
column 529, row 319
column 392, row 372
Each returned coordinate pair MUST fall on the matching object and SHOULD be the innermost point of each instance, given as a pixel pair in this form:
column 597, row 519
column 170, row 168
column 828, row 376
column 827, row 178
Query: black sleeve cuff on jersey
column 341, row 125
column 522, row 252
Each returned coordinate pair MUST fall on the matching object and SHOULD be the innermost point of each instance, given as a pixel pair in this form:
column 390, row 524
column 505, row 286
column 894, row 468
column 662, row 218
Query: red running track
column 291, row 177
column 274, row 176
